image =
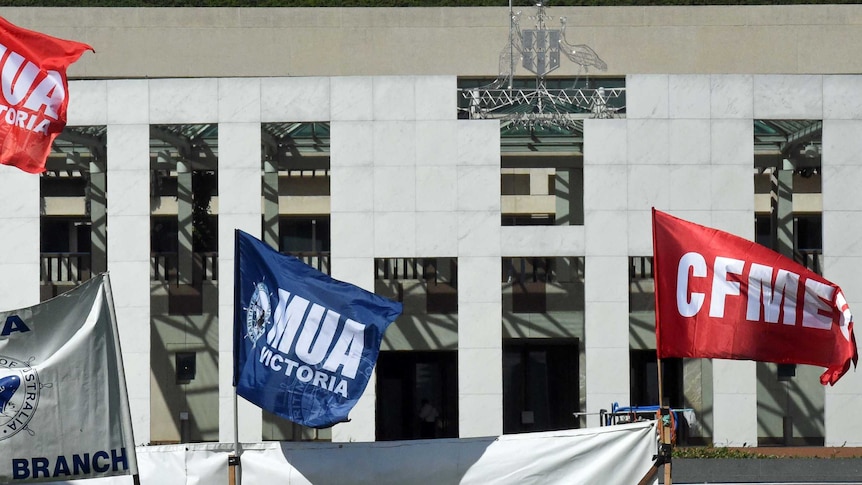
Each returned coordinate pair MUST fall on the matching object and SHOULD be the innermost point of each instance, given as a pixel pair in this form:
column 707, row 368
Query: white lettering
column 760, row 285
column 341, row 388
column 688, row 306
column 22, row 118
column 48, row 93
column 43, row 127
column 288, row 318
column 311, row 349
column 320, row 379
column 817, row 311
column 846, row 317
column 721, row 287
column 304, row 373
column 308, row 330
column 275, row 363
column 17, row 81
column 347, row 351
column 290, row 366
column 18, row 76
column 265, row 355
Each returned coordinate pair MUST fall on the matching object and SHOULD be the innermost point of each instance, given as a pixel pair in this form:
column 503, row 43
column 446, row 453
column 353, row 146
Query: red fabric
column 760, row 306
column 34, row 94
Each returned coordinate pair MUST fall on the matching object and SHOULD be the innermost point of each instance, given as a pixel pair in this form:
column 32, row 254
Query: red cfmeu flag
column 722, row 296
column 33, row 94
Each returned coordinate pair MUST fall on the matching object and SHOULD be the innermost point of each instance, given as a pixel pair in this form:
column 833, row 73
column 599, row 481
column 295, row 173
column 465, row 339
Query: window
column 540, row 385
column 641, row 284
column 404, row 381
column 644, row 379
column 435, row 278
column 304, row 234
column 809, row 232
column 528, row 278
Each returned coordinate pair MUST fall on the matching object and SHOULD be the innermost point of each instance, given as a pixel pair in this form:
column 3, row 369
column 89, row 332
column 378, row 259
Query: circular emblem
column 19, row 395
column 257, row 315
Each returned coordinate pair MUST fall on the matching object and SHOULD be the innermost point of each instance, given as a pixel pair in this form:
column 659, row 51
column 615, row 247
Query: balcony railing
column 164, row 265
column 319, row 260
column 640, row 267
column 811, row 259
column 65, row 267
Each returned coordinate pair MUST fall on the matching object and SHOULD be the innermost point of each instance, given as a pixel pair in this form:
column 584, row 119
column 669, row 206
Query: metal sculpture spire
column 539, row 50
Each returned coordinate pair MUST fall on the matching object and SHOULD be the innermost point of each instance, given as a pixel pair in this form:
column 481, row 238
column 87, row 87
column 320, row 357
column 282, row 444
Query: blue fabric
column 298, row 335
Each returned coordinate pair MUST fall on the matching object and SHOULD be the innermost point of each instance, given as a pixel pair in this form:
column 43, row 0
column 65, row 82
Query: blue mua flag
column 304, row 344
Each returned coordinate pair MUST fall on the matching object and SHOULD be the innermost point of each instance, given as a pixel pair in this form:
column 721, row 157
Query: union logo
column 19, row 396
column 258, row 313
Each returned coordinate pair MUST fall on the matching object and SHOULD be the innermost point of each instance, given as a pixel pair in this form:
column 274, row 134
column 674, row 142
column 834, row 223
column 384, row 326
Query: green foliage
column 712, row 452
column 392, row 3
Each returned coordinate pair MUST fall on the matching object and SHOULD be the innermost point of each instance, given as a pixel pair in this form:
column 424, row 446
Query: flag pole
column 665, row 420
column 233, row 461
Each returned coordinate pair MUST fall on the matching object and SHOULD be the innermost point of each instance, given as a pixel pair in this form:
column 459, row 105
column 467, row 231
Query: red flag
column 33, row 97
column 722, row 296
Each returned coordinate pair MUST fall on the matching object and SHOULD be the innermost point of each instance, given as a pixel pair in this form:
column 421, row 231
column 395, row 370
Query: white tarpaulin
column 610, row 455
column 64, row 411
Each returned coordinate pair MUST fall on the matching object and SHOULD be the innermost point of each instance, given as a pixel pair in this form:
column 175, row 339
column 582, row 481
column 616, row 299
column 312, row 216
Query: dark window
column 644, row 379
column 641, row 285
column 763, row 231
column 64, row 235
column 540, row 385
column 809, row 233
column 163, row 235
column 55, row 235
column 515, row 184
column 441, row 277
column 529, row 278
column 63, row 186
column 528, row 220
column 304, row 234
column 186, row 367
column 404, row 381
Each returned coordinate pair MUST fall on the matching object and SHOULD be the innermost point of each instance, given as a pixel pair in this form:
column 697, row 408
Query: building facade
column 522, row 255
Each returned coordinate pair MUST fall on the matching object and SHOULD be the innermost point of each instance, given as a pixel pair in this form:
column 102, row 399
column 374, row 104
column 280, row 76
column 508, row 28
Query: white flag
column 64, row 411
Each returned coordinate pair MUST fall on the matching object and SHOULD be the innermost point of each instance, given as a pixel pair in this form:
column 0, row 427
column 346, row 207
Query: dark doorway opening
column 404, row 380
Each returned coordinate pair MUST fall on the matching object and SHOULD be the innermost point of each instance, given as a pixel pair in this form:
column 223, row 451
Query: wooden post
column 667, row 443
column 665, row 429
column 232, row 464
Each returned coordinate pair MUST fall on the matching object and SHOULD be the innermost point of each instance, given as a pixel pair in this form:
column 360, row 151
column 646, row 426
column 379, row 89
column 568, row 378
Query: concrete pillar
column 782, row 231
column 129, row 254
column 97, row 200
column 562, row 183
column 782, row 209
column 568, row 191
column 185, row 209
column 270, row 203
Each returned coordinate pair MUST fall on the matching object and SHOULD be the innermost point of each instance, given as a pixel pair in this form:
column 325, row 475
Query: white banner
column 620, row 454
column 64, row 411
